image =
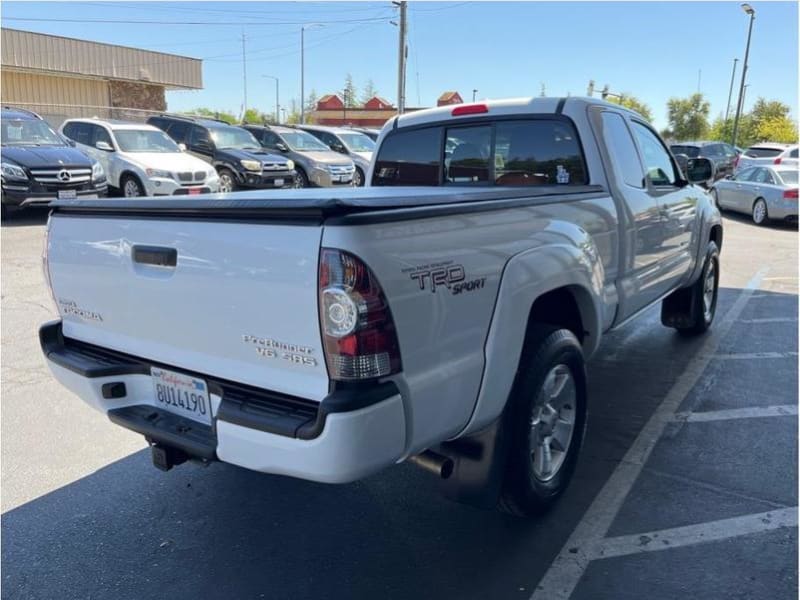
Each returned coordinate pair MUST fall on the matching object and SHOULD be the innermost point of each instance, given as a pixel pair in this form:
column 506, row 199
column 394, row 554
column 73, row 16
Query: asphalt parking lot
column 687, row 486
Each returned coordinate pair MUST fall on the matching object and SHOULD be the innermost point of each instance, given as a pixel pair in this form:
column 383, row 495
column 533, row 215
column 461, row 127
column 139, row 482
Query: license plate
column 67, row 194
column 181, row 394
column 344, row 178
column 279, row 183
column 195, row 191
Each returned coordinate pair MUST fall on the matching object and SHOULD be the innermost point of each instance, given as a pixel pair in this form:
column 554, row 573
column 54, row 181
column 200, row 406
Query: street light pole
column 749, row 10
column 730, row 92
column 473, row 94
column 303, row 69
column 277, row 98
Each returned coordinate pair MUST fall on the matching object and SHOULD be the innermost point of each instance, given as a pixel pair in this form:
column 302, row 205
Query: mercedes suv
column 38, row 165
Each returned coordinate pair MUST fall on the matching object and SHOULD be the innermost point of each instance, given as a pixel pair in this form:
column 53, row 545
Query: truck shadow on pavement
column 28, row 217
column 130, row 531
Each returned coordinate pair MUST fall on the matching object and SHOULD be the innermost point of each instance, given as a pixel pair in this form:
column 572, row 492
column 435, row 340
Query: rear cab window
column 507, row 152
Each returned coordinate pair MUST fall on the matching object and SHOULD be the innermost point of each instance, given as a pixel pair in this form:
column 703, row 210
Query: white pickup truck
column 327, row 334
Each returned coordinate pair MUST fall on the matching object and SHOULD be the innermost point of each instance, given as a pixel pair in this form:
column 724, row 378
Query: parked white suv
column 768, row 154
column 141, row 160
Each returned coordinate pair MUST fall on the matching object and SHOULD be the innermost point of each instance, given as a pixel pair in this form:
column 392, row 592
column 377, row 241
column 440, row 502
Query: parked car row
column 170, row 155
column 764, row 192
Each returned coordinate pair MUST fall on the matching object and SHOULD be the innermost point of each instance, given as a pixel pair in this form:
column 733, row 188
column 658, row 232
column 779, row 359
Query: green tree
column 256, row 117
column 630, row 101
column 214, row 114
column 368, row 92
column 770, row 122
column 311, row 102
column 350, row 92
column 688, row 117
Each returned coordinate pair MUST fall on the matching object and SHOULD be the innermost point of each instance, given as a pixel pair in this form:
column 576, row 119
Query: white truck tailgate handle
column 158, row 256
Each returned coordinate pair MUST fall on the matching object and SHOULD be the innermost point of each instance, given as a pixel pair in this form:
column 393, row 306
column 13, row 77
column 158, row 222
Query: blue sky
column 651, row 49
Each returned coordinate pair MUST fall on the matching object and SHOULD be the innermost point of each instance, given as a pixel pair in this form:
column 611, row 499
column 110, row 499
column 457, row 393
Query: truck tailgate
column 236, row 300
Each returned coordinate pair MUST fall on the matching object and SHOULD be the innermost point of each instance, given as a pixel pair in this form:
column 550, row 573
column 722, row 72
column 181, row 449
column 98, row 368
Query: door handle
column 155, row 255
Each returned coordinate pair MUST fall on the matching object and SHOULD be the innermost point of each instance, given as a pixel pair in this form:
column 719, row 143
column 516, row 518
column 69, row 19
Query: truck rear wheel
column 691, row 310
column 547, row 420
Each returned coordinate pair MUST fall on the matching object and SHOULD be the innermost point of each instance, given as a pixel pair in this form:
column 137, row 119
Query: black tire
column 227, row 180
column 131, row 187
column 686, row 309
column 549, row 353
column 358, row 178
column 760, row 214
column 301, row 179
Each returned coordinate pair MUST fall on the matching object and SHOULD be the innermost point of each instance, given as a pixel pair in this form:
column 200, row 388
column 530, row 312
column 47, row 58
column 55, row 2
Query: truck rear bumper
column 352, row 433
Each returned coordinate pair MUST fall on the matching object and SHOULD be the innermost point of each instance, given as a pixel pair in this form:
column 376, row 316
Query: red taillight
column 470, row 109
column 357, row 327
column 790, row 194
column 777, row 161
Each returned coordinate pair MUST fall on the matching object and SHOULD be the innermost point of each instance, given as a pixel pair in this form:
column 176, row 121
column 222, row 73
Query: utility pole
column 302, row 76
column 739, row 105
column 730, row 92
column 244, row 77
column 277, row 98
column 699, row 75
column 474, row 91
column 401, row 58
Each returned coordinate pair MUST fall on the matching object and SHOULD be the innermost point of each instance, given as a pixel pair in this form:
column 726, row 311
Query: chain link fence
column 56, row 114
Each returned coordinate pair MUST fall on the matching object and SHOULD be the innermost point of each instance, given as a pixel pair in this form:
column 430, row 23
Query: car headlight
column 290, row 164
column 251, row 165
column 158, row 173
column 97, row 171
column 12, row 171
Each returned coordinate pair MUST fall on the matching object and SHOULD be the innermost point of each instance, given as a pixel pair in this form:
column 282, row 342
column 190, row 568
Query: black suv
column 234, row 152
column 38, row 165
column 722, row 155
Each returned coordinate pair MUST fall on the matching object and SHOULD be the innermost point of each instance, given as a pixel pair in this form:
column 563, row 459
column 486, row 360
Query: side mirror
column 104, row 146
column 700, row 170
column 182, row 147
column 282, row 147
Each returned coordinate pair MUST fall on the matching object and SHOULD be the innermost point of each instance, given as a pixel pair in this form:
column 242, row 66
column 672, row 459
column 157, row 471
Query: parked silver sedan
column 765, row 193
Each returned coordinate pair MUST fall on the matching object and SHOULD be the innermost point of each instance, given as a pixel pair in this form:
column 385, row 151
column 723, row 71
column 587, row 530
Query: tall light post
column 474, row 91
column 277, row 98
column 303, row 68
column 749, row 10
column 730, row 93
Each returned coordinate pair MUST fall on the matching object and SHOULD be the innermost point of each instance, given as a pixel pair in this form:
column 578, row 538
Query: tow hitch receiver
column 165, row 457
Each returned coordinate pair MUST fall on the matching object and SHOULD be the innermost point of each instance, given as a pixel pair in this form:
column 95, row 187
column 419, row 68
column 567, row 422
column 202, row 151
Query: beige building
column 61, row 77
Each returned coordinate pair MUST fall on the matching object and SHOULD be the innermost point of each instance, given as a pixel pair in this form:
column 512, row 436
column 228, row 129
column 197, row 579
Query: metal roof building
column 61, row 77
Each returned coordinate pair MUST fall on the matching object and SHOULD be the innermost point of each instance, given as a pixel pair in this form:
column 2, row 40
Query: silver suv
column 315, row 163
column 345, row 141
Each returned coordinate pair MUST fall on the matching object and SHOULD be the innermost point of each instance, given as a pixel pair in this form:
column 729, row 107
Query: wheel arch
column 555, row 285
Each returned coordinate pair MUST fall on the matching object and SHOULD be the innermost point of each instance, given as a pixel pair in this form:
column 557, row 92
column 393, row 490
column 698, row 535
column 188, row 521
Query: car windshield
column 33, row 132
column 690, row 151
column 357, row 142
column 233, row 137
column 303, row 142
column 763, row 152
column 789, row 177
column 144, row 140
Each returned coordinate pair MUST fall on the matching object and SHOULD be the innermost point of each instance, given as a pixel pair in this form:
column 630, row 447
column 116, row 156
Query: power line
column 215, row 23
column 196, row 9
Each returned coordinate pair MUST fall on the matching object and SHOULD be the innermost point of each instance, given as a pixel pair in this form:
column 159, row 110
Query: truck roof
column 509, row 106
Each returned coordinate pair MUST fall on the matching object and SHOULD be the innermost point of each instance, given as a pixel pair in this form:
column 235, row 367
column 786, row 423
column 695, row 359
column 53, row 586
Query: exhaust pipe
column 433, row 462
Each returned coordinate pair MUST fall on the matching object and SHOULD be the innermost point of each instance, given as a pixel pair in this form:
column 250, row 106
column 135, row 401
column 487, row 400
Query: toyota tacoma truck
column 442, row 315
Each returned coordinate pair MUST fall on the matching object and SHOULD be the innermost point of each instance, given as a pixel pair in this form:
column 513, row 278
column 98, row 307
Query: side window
column 179, row 131
column 762, row 175
column 728, row 150
column 70, row 129
column 409, row 158
column 270, row 139
column 80, row 133
column 620, row 145
column 793, row 153
column 469, row 160
column 540, row 152
column 655, row 156
column 199, row 137
column 745, row 175
column 101, row 135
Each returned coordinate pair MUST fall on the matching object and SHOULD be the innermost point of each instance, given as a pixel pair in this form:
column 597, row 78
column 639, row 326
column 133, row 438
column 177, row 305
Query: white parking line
column 770, row 320
column 561, row 578
column 754, row 355
column 753, row 412
column 690, row 535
